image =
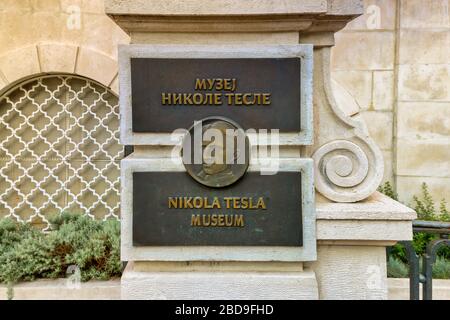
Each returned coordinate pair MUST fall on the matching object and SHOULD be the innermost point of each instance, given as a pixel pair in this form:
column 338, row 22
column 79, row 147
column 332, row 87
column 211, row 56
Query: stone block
column 378, row 14
column 208, row 285
column 424, row 14
column 57, row 58
column 102, row 34
column 3, row 81
column 358, row 84
column 407, row 187
column 383, row 90
column 45, row 5
column 380, row 125
column 424, row 46
column 351, row 272
column 96, row 65
column 20, row 63
column 426, row 158
column 225, row 7
column 364, row 51
column 215, row 38
column 388, row 166
column 14, row 5
column 424, row 82
column 423, row 120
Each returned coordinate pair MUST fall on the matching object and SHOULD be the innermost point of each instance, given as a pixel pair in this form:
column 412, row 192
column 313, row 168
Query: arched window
column 59, row 149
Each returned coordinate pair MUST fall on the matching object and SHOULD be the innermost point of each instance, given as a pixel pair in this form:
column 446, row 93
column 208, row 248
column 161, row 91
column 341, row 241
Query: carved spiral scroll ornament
column 342, row 171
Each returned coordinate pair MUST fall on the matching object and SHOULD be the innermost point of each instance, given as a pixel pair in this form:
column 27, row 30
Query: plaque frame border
column 303, row 51
column 307, row 252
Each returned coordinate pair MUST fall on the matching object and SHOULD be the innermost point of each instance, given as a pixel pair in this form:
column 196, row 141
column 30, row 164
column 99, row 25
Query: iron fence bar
column 428, row 261
column 414, row 272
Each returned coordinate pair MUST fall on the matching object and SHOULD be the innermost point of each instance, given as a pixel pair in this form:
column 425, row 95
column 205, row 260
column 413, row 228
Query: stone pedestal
column 353, row 223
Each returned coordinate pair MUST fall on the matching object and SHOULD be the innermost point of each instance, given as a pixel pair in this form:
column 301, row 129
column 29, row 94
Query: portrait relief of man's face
column 215, row 150
column 224, row 148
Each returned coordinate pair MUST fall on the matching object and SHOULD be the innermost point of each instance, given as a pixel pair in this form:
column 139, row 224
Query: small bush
column 397, row 268
column 388, row 190
column 27, row 253
column 425, row 207
column 441, row 268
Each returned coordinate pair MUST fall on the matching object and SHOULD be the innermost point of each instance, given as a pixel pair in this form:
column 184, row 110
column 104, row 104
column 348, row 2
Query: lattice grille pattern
column 59, row 149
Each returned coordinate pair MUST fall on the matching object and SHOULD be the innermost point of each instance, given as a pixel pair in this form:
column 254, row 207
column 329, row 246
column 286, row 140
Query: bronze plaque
column 171, row 209
column 217, row 172
column 259, row 93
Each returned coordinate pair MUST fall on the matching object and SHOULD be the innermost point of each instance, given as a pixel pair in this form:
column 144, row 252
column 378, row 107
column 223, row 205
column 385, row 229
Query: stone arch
column 52, row 57
column 59, row 148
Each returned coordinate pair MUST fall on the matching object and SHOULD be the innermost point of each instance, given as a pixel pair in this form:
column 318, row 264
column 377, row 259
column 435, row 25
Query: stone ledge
column 399, row 289
column 376, row 207
column 58, row 289
column 110, row 290
column 230, row 7
column 374, row 221
column 232, row 15
column 218, row 285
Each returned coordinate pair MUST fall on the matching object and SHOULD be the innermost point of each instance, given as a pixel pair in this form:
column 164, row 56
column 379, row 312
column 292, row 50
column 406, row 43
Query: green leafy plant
column 93, row 246
column 444, row 213
column 388, row 190
column 425, row 207
column 397, row 268
column 441, row 268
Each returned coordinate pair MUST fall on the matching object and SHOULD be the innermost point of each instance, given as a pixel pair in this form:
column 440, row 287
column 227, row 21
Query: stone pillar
column 353, row 223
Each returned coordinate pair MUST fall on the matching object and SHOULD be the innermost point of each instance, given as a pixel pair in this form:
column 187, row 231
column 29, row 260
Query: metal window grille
column 59, row 149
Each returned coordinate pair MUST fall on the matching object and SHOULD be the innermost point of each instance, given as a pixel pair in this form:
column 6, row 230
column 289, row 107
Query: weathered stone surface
column 424, row 14
column 216, row 38
column 64, row 289
column 383, row 91
column 29, row 63
column 351, row 272
column 364, row 51
column 378, row 14
column 424, row 82
column 388, row 167
column 96, row 65
column 424, row 46
column 57, row 58
column 423, row 120
column 380, row 127
column 217, row 7
column 399, row 289
column 423, row 158
column 213, row 285
column 358, row 84
column 407, row 187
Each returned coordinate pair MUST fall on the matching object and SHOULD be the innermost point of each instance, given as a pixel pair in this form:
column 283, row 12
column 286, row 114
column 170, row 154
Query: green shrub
column 388, row 190
column 397, row 268
column 425, row 207
column 27, row 253
column 445, row 214
column 441, row 268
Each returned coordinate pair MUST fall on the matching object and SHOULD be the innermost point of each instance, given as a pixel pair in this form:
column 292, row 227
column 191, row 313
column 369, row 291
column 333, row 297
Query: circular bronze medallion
column 216, row 152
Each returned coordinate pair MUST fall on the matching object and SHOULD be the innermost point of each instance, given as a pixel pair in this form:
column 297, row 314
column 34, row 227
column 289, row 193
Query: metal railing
column 416, row 276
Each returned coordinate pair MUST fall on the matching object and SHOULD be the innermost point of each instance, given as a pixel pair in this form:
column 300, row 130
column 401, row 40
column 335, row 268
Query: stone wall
column 73, row 36
column 395, row 62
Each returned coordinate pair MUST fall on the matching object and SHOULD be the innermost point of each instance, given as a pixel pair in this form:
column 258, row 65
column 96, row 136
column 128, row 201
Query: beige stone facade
column 58, row 109
column 395, row 62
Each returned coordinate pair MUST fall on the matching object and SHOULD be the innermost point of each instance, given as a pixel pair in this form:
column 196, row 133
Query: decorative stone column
column 354, row 223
